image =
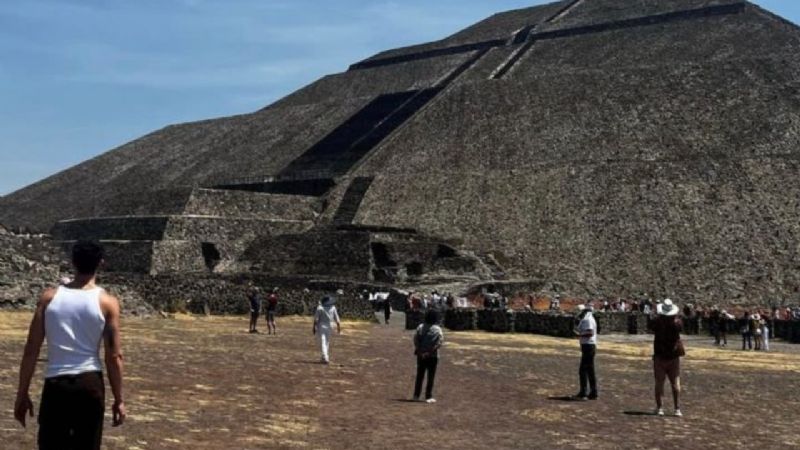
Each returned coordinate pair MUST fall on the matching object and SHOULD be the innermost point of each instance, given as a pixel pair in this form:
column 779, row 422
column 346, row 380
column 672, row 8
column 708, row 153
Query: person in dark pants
column 427, row 340
column 74, row 319
column 587, row 333
column 387, row 310
column 747, row 335
column 254, row 297
column 272, row 309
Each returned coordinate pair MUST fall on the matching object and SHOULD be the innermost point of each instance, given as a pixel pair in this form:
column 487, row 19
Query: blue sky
column 79, row 77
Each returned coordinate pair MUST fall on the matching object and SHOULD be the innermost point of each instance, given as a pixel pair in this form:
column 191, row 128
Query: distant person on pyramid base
column 387, row 310
column 324, row 318
column 74, row 319
column 254, row 298
column 667, row 352
column 272, row 309
column 427, row 340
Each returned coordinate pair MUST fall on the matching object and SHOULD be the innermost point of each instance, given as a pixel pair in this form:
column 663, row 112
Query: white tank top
column 74, row 324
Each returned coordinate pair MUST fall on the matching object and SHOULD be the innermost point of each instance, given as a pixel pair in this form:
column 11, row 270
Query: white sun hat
column 667, row 308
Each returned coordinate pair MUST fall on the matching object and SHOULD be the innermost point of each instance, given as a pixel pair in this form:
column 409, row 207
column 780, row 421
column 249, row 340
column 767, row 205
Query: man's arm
column 316, row 319
column 438, row 340
column 113, row 354
column 23, row 404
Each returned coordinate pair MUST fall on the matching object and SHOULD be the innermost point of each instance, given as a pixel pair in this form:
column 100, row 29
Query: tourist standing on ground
column 428, row 338
column 747, row 335
column 272, row 309
column 254, row 298
column 724, row 319
column 667, row 352
column 324, row 318
column 387, row 310
column 764, row 334
column 74, row 319
column 587, row 334
column 713, row 324
column 755, row 329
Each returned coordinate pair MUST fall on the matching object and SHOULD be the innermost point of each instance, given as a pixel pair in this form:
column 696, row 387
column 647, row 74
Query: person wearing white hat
column 756, row 327
column 667, row 352
column 587, row 333
column 324, row 317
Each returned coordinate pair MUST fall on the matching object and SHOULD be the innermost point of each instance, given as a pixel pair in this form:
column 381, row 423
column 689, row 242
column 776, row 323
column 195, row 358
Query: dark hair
column 86, row 257
column 431, row 317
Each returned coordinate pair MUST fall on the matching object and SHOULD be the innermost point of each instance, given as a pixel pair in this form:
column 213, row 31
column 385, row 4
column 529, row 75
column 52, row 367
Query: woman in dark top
column 667, row 352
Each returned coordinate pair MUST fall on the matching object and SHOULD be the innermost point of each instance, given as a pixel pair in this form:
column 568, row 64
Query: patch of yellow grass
column 285, row 424
column 14, row 325
column 698, row 357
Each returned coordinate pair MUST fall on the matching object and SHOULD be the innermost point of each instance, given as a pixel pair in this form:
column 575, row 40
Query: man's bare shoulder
column 109, row 303
column 46, row 297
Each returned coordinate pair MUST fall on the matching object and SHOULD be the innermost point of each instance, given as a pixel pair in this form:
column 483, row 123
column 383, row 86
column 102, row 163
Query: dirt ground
column 205, row 383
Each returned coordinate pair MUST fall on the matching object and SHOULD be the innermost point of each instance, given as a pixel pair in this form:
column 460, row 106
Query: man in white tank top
column 74, row 319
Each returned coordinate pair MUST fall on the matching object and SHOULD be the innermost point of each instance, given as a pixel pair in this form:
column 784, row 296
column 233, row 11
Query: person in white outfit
column 324, row 318
column 764, row 334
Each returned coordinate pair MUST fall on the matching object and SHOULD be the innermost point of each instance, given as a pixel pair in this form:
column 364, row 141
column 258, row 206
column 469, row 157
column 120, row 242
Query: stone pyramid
column 607, row 147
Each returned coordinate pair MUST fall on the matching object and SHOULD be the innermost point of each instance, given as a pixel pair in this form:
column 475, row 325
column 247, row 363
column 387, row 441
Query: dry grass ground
column 204, row 383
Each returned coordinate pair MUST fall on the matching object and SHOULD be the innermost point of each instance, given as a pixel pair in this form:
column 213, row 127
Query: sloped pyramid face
column 607, row 146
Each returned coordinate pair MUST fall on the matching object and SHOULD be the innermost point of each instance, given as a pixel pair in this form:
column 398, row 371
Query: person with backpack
column 667, row 352
column 428, row 338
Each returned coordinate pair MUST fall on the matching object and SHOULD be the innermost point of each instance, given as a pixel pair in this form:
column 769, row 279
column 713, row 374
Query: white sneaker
column 678, row 413
column 430, row 400
column 660, row 411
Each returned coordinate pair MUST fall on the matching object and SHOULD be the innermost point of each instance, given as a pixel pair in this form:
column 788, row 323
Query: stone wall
column 253, row 205
column 537, row 322
column 124, row 256
column 141, row 228
column 562, row 325
column 339, row 254
column 215, row 229
column 226, row 294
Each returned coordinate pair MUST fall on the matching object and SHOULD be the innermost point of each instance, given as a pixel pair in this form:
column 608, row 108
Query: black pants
column 747, row 338
column 425, row 365
column 71, row 413
column 387, row 313
column 586, row 371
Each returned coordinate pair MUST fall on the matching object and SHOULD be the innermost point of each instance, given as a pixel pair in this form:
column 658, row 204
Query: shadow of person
column 639, row 413
column 565, row 398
